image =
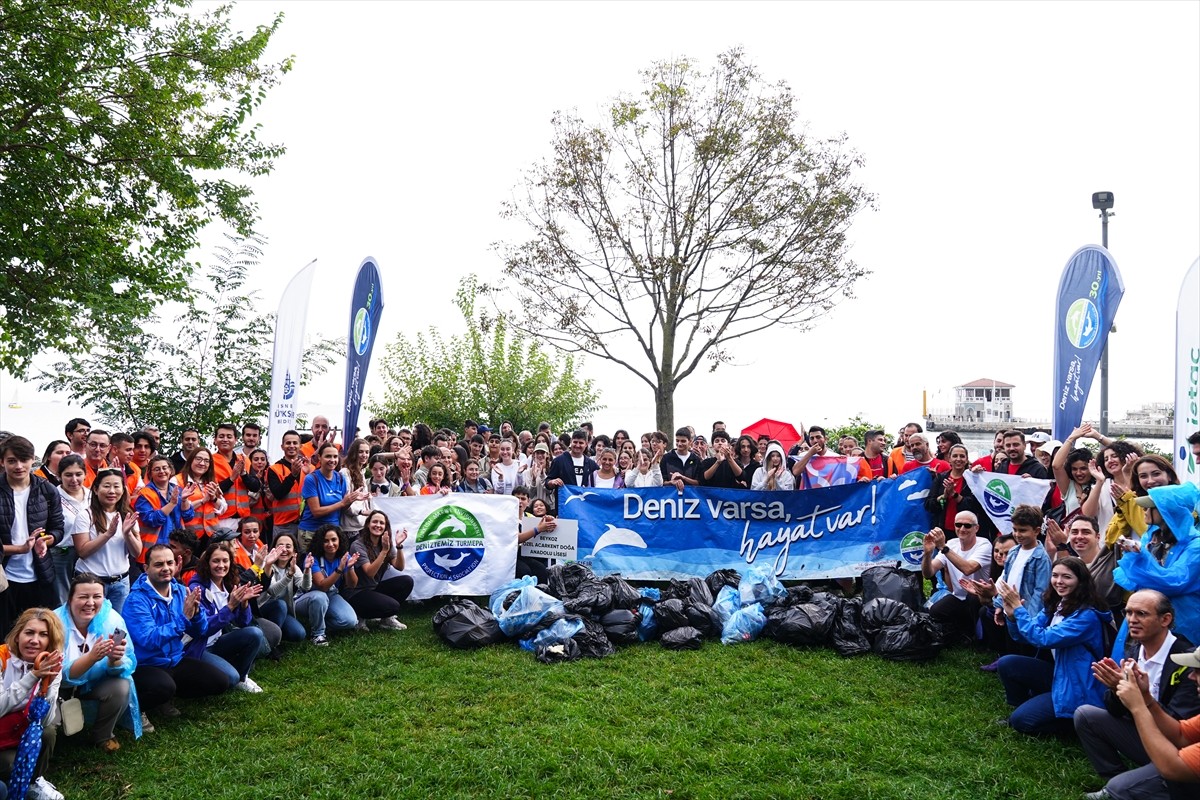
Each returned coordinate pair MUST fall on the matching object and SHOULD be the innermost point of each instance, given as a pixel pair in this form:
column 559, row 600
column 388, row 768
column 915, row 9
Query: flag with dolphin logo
column 1000, row 493
column 456, row 544
column 1089, row 293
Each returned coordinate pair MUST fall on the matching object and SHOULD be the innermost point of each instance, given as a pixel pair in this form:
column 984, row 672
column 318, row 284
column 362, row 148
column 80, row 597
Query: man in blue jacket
column 160, row 611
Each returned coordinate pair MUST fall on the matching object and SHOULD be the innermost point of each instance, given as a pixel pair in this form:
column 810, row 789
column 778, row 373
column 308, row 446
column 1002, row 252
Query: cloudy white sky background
column 985, row 128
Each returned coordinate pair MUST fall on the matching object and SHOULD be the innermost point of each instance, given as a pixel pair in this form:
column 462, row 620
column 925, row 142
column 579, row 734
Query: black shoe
column 167, row 710
column 275, row 655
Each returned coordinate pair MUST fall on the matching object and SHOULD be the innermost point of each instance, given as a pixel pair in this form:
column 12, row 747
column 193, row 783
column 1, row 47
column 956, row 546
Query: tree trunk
column 664, row 410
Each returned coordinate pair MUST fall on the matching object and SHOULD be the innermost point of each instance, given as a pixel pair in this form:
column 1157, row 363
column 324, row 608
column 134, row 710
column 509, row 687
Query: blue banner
column 835, row 532
column 366, row 306
column 1088, row 295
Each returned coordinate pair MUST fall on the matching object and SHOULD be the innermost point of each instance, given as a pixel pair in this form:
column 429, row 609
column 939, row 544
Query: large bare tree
column 694, row 214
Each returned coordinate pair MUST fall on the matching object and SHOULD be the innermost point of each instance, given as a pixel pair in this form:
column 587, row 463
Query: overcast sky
column 985, row 128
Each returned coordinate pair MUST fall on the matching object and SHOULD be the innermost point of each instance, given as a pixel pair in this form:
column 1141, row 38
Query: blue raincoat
column 1178, row 577
column 1077, row 641
column 103, row 624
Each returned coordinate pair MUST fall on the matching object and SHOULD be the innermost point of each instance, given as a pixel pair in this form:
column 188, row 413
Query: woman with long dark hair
column 1070, row 625
column 112, row 539
column 381, row 586
column 55, row 452
column 225, row 602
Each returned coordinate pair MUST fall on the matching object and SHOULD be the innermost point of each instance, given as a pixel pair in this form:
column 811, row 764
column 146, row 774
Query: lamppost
column 1103, row 202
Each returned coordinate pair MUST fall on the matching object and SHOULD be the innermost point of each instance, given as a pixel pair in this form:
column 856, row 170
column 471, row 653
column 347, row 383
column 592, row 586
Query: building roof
column 985, row 383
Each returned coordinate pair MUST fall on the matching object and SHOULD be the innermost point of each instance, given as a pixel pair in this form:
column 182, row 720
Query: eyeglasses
column 965, row 525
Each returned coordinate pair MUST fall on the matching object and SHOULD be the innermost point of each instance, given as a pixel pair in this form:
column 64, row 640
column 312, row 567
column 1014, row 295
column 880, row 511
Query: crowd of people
column 131, row 576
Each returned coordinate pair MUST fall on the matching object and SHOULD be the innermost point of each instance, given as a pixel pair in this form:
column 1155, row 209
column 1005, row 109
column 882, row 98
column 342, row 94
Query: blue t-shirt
column 328, row 492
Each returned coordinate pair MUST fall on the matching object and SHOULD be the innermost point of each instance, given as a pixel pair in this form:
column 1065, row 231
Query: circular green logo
column 449, row 543
column 912, row 547
column 362, row 331
column 1082, row 323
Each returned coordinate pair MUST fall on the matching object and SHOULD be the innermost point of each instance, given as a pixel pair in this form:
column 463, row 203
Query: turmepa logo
column 362, row 331
column 449, row 543
column 1082, row 323
column 997, row 497
column 912, row 547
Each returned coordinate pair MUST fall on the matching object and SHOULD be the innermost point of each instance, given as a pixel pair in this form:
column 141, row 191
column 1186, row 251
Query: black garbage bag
column 591, row 598
column 909, row 641
column 685, row 638
column 894, row 583
column 704, row 619
column 621, row 625
column 721, row 578
column 826, row 600
column 802, row 624
column 676, row 590
column 797, row 595
column 566, row 650
column 670, row 614
column 463, row 624
column 698, row 592
column 847, row 636
column 945, row 634
column 564, row 579
column 623, row 595
column 593, row 642
column 883, row 612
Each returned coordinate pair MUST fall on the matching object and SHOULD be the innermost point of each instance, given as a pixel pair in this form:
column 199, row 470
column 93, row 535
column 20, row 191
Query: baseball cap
column 1041, row 437
column 540, row 447
column 1191, row 659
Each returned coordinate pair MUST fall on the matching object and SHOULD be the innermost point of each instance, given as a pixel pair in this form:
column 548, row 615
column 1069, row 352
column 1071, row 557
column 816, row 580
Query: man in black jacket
column 572, row 468
column 1108, row 734
column 31, row 521
column 1018, row 460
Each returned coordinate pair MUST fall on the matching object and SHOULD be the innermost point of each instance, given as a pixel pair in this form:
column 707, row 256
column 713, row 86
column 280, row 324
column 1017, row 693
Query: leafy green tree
column 856, row 427
column 124, row 129
column 215, row 367
column 486, row 375
column 692, row 216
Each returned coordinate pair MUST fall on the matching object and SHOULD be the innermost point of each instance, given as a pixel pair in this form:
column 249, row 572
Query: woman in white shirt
column 112, row 538
column 77, row 518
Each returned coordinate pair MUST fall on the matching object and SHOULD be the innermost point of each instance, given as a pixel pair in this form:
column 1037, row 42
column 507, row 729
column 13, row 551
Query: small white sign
column 560, row 544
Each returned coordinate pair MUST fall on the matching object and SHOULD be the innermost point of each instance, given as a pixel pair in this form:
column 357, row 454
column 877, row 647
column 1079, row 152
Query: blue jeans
column 234, row 652
column 64, row 559
column 317, row 609
column 1027, row 684
column 276, row 611
column 116, row 593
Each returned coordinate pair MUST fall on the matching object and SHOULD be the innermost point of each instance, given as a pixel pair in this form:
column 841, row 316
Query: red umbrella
column 785, row 432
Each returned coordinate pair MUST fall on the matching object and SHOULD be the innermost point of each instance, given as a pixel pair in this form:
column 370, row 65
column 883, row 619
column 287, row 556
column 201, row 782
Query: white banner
column 458, row 544
column 1187, row 375
column 560, row 544
column 289, row 351
column 1000, row 493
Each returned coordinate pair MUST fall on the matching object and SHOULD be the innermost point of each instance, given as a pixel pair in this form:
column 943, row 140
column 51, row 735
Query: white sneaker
column 42, row 789
column 248, row 685
column 392, row 624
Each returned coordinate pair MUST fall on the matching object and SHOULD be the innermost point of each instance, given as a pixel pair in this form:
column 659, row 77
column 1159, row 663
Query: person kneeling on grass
column 159, row 612
column 36, row 631
column 380, row 587
column 1070, row 624
column 225, row 601
column 332, row 569
column 1173, row 745
column 98, row 663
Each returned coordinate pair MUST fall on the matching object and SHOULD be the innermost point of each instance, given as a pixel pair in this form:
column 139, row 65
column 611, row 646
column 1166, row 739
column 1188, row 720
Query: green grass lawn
column 402, row 715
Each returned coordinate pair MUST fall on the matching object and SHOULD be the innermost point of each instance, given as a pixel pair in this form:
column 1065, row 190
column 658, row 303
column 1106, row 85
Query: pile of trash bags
column 578, row 615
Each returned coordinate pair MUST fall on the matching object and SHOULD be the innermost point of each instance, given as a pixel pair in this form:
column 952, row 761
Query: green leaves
column 116, row 117
column 214, row 367
column 486, row 374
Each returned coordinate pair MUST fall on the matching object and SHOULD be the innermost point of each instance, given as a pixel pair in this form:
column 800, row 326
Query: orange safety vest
column 205, row 522
column 149, row 535
column 133, row 478
column 89, row 474
column 237, row 498
column 287, row 511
